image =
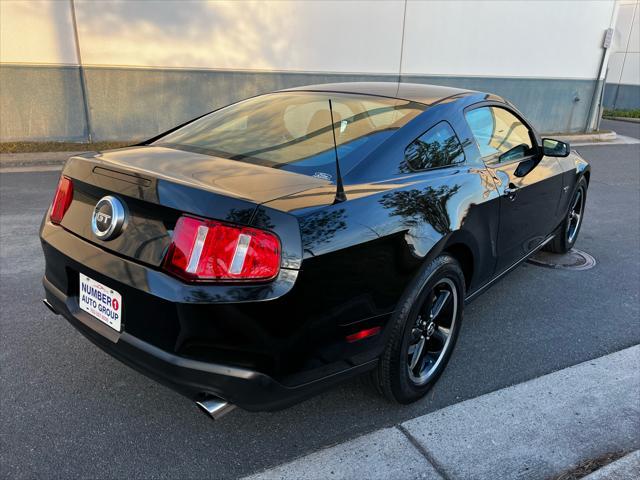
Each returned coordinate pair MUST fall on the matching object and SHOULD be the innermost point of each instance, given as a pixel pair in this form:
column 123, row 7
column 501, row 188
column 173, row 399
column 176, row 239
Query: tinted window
column 292, row 130
column 499, row 133
column 437, row 147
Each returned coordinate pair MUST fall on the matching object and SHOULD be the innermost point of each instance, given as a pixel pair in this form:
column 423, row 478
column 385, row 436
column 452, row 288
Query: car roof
column 415, row 92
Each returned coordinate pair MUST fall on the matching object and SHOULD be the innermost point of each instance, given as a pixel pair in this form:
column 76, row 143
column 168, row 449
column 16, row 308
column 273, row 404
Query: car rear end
column 168, row 255
column 174, row 293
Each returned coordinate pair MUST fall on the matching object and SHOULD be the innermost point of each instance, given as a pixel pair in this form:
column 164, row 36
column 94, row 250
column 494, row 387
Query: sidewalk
column 534, row 430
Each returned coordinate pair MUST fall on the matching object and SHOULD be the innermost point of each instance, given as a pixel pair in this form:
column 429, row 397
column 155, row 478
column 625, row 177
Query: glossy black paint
column 345, row 265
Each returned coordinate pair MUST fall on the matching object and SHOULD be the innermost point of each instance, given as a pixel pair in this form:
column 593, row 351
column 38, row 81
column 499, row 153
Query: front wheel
column 567, row 234
column 424, row 330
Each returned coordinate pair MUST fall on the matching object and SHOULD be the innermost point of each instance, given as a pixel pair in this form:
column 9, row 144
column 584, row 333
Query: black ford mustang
column 269, row 249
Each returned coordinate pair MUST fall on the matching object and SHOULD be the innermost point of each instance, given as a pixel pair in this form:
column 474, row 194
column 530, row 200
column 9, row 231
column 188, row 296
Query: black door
column 529, row 183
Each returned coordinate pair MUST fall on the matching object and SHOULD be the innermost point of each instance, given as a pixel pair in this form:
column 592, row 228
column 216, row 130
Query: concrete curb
column 624, row 119
column 622, row 469
column 586, row 137
column 34, row 159
column 537, row 429
column 619, row 140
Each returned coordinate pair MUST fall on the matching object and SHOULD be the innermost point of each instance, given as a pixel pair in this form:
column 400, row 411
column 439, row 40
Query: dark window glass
column 292, row 130
column 437, row 147
column 500, row 135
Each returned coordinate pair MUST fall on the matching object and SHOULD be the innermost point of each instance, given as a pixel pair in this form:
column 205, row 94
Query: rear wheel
column 424, row 330
column 567, row 233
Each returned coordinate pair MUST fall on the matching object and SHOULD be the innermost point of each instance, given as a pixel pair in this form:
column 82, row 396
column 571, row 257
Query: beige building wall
column 38, row 32
column 533, row 39
column 623, row 75
column 463, row 37
column 318, row 36
column 624, row 64
column 150, row 64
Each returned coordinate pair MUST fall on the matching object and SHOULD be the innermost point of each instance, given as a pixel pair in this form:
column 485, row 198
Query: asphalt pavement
column 69, row 410
column 628, row 129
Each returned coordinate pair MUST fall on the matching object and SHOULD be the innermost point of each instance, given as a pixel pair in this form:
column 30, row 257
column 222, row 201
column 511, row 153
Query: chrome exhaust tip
column 49, row 306
column 215, row 407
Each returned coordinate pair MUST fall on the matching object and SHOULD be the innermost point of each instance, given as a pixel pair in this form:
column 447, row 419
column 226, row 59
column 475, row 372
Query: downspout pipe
column 596, row 98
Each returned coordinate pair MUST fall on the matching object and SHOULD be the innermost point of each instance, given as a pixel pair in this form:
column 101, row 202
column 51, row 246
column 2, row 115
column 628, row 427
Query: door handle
column 511, row 192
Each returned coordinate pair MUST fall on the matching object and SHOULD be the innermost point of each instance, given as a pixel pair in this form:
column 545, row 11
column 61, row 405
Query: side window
column 437, row 147
column 500, row 134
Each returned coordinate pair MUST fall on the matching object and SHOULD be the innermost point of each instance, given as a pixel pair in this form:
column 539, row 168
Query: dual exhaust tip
column 215, row 408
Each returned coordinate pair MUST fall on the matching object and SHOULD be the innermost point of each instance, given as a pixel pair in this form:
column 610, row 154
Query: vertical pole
column 601, row 100
column 83, row 80
column 404, row 20
column 593, row 107
column 598, row 89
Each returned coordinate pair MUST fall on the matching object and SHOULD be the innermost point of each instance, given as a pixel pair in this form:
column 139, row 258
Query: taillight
column 61, row 200
column 209, row 250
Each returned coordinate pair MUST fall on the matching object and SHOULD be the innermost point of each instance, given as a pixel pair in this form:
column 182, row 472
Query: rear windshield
column 292, row 130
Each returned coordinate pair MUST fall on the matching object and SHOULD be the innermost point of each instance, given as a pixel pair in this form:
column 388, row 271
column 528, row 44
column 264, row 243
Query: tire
column 567, row 234
column 394, row 377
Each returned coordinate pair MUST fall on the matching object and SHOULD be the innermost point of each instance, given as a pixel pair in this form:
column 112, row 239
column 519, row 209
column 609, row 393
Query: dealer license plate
column 100, row 301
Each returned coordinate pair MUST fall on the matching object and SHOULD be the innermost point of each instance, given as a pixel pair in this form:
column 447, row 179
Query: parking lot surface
column 69, row 410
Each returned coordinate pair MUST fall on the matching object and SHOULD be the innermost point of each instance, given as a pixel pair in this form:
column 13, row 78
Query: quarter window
column 437, row 147
column 500, row 134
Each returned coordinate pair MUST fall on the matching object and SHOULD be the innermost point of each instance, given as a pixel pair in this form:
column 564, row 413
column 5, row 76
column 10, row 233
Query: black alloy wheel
column 567, row 234
column 423, row 332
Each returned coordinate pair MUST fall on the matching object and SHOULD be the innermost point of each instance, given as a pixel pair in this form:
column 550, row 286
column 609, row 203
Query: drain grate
column 572, row 260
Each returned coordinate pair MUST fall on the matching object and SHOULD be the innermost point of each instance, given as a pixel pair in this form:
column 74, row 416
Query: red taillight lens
column 61, row 200
column 209, row 250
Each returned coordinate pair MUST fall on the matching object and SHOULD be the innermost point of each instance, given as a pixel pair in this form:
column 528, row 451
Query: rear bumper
column 248, row 389
column 259, row 346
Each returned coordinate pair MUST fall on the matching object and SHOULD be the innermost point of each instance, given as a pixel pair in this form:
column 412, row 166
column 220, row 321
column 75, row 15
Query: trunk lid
column 158, row 184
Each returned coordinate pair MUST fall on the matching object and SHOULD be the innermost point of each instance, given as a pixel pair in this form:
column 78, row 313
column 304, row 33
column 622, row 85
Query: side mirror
column 555, row 148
